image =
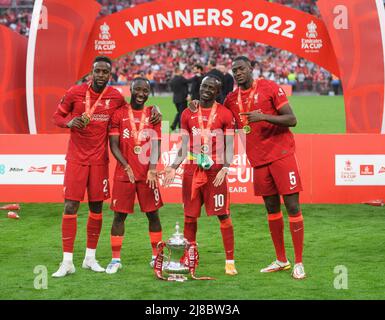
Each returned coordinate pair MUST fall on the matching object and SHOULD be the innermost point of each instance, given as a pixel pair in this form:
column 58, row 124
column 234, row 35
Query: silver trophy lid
column 177, row 238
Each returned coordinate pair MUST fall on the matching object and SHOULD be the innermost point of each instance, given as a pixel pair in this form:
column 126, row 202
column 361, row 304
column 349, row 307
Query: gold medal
column 205, row 148
column 246, row 129
column 137, row 149
column 85, row 118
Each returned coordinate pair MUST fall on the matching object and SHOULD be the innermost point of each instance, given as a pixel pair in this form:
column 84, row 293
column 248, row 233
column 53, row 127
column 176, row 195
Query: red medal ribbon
column 90, row 110
column 134, row 130
column 205, row 131
column 240, row 103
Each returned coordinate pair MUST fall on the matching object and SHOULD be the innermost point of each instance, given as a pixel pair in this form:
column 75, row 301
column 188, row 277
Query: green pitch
column 315, row 114
column 351, row 236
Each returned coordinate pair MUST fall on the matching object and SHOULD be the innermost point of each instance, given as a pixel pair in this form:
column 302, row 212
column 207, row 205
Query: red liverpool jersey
column 266, row 142
column 223, row 123
column 120, row 125
column 90, row 144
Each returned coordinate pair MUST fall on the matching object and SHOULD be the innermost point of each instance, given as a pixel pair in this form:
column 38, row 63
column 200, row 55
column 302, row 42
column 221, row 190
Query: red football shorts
column 79, row 177
column 216, row 199
column 278, row 177
column 123, row 197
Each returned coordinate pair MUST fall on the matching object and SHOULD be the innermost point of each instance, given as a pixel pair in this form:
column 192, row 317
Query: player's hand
column 156, row 116
column 169, row 175
column 254, row 116
column 152, row 178
column 130, row 173
column 220, row 177
column 193, row 105
column 76, row 122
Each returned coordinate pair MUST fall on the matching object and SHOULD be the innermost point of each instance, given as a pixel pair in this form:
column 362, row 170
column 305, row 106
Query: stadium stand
column 161, row 59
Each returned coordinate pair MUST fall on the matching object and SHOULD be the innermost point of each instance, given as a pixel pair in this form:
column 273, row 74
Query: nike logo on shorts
column 291, row 188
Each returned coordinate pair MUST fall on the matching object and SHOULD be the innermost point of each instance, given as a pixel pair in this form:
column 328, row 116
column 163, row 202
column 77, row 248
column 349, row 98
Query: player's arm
column 156, row 115
column 114, row 146
column 285, row 117
column 152, row 174
column 170, row 171
column 63, row 117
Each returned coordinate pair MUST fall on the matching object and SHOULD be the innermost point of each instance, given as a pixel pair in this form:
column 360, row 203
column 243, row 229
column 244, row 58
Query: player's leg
column 75, row 182
column 191, row 208
column 155, row 233
column 227, row 231
column 150, row 201
column 94, row 227
column 297, row 232
column 123, row 198
column 264, row 186
column 288, row 181
column 98, row 190
column 117, row 237
column 217, row 202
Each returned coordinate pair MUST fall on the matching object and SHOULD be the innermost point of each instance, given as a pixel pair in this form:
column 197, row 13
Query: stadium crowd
column 158, row 62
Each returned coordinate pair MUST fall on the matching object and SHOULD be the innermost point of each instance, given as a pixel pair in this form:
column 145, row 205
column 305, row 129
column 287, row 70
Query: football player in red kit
column 135, row 143
column 209, row 157
column 263, row 113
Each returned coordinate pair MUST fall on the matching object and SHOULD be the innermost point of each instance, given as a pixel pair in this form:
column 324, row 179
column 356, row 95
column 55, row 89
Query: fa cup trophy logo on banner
column 180, row 260
column 104, row 34
column 311, row 28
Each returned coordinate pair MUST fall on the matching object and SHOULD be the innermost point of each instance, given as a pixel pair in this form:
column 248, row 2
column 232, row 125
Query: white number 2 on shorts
column 105, row 184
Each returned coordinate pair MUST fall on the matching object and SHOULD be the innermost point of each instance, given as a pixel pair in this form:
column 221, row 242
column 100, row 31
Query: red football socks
column 276, row 225
column 297, row 235
column 69, row 226
column 116, row 246
column 190, row 229
column 94, row 226
column 155, row 237
column 227, row 231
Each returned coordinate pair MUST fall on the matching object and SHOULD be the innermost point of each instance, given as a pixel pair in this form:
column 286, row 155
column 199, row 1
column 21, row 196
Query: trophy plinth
column 175, row 267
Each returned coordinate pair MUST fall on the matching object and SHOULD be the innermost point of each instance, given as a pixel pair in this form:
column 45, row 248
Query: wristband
column 226, row 169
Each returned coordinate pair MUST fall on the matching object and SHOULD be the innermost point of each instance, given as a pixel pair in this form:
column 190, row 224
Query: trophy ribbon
column 246, row 126
column 159, row 261
column 205, row 131
column 134, row 130
column 89, row 110
column 193, row 261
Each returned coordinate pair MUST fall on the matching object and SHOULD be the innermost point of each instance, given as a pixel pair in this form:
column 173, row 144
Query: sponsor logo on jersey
column 382, row 170
column 126, row 134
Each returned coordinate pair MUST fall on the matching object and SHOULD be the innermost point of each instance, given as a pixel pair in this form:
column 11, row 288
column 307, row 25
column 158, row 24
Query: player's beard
column 98, row 88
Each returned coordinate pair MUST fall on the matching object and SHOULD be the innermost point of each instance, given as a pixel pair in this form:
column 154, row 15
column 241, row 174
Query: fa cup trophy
column 180, row 260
